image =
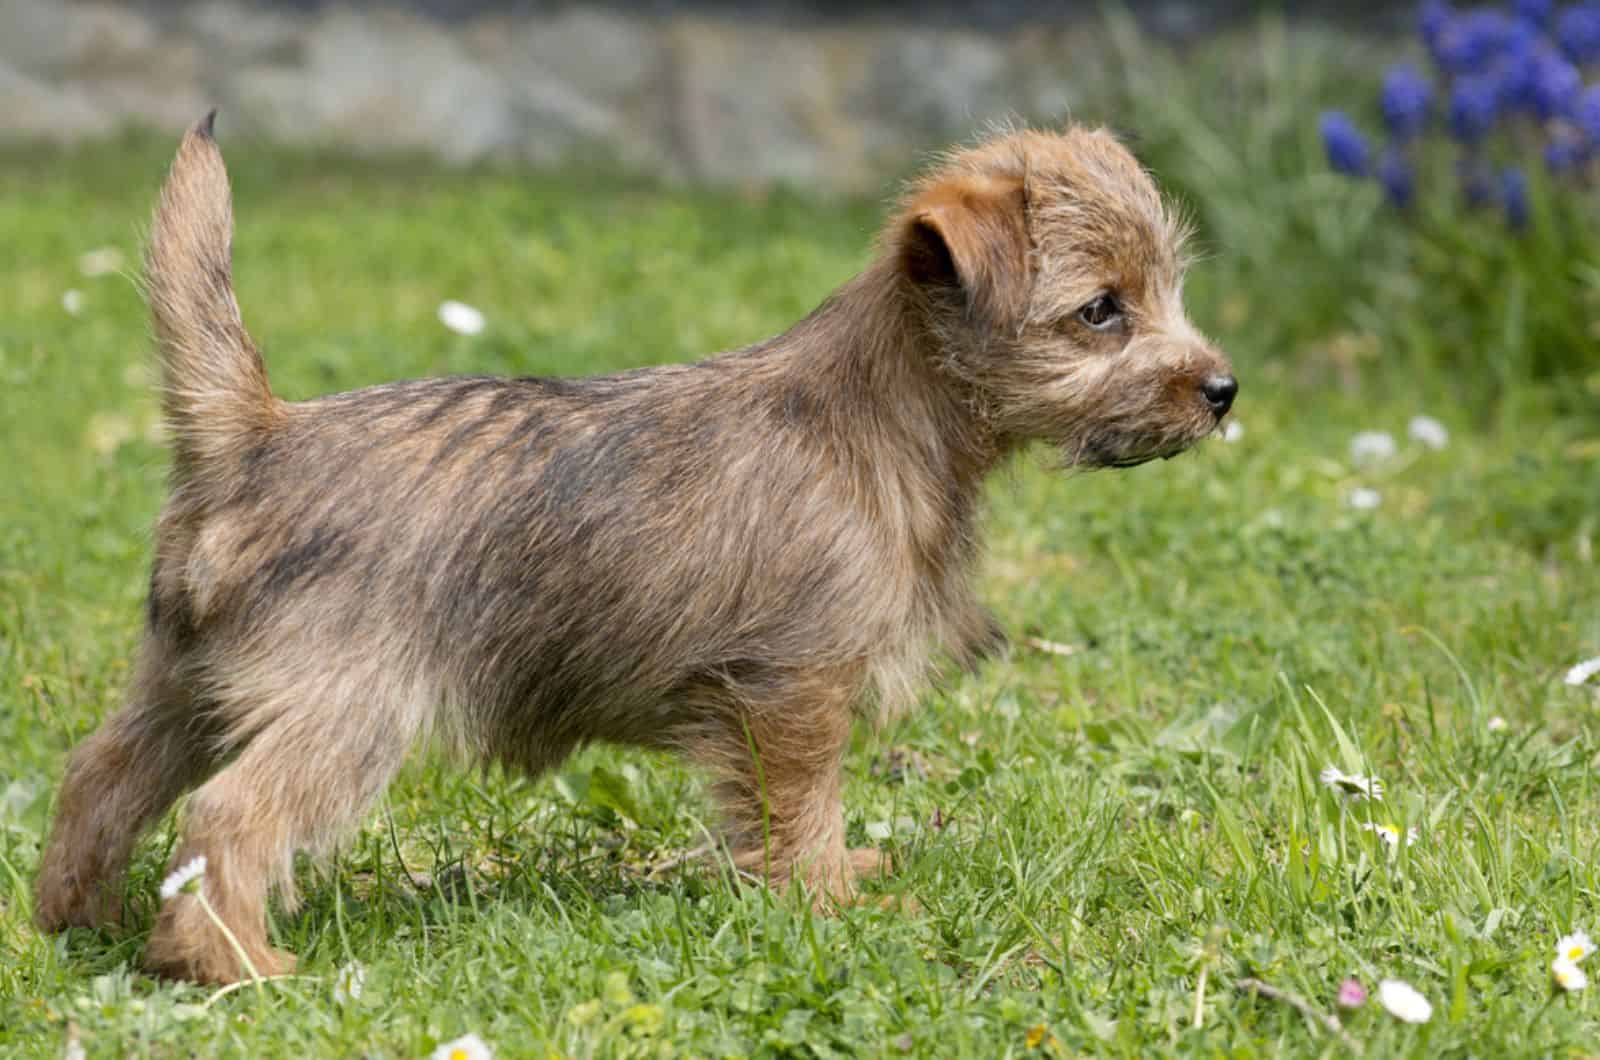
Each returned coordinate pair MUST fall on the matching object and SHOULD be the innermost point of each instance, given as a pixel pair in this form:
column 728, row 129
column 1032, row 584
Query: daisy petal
column 1403, row 1002
column 466, row 1047
column 1568, row 975
column 1583, row 671
column 183, row 876
column 1574, row 947
column 461, row 318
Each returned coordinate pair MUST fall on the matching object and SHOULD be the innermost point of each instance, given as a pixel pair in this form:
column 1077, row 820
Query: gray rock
column 102, row 39
column 32, row 109
column 584, row 84
column 232, row 32
column 382, row 81
column 939, row 85
column 168, row 102
column 606, row 56
column 33, row 35
column 757, row 103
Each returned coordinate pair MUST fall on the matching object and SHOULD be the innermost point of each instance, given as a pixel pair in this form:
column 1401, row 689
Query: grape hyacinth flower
column 1405, row 98
column 1432, row 19
column 1468, row 42
column 1347, row 148
column 1474, row 104
column 1506, row 72
column 1554, row 85
column 1514, row 196
column 1563, row 153
column 1578, row 32
column 1535, row 11
column 1586, row 113
column 1515, row 69
column 1394, row 173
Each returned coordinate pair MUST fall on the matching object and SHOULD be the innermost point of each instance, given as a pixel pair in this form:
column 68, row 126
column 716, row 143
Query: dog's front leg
column 777, row 754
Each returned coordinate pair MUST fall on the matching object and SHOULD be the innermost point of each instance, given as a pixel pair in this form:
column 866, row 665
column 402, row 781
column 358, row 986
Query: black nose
column 1219, row 391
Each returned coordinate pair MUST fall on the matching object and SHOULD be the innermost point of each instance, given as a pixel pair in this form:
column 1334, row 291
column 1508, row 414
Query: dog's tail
column 214, row 385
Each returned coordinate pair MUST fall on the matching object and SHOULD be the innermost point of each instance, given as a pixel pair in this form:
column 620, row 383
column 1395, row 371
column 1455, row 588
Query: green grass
column 1087, row 837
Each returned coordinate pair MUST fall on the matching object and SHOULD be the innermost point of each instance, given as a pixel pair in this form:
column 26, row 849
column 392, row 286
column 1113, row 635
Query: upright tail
column 214, row 385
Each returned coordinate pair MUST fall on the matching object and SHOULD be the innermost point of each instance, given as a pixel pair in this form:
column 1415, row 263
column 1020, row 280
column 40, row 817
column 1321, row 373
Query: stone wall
column 705, row 96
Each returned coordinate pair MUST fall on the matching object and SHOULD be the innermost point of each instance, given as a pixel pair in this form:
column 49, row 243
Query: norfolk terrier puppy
column 734, row 559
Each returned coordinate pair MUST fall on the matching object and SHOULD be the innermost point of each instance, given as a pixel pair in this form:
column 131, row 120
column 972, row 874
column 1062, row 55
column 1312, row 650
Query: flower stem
column 227, row 933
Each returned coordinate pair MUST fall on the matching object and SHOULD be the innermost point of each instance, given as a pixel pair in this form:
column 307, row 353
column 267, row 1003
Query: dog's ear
column 971, row 232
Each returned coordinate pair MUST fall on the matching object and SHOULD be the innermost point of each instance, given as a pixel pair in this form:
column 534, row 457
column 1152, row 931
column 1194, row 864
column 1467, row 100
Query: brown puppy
column 734, row 558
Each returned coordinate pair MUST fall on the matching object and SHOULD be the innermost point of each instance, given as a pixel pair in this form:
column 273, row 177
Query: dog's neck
column 871, row 357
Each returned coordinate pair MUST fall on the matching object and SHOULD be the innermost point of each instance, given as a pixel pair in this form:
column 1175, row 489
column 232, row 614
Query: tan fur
column 732, row 559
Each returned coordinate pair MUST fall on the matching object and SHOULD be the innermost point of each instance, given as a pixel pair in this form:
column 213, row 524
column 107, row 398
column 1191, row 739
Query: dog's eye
column 1102, row 314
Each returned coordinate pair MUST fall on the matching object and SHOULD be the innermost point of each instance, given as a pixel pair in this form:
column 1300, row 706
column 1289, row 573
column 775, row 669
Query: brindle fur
column 732, row 559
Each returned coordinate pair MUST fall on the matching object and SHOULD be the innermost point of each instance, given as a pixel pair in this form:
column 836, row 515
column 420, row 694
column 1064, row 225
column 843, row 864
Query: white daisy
column 108, row 431
column 466, row 1047
column 348, row 983
column 1353, row 785
column 1390, row 833
column 1363, row 499
column 1497, row 724
column 461, row 318
column 72, row 301
column 1574, row 947
column 1372, row 447
column 1403, row 1002
column 1232, row 431
column 183, row 876
column 1428, row 431
column 1568, row 975
column 102, row 261
column 1583, row 671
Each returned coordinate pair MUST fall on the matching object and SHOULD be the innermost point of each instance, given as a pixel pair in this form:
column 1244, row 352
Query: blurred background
column 1474, row 199
column 821, row 94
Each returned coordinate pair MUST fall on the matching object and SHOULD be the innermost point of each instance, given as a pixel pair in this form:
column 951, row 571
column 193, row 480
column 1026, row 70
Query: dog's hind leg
column 118, row 781
column 321, row 752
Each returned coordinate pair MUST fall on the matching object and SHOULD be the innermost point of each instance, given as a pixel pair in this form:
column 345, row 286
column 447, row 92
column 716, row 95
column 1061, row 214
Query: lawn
column 1101, row 838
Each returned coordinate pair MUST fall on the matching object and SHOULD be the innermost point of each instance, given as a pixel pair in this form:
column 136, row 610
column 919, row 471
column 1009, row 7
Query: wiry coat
column 731, row 558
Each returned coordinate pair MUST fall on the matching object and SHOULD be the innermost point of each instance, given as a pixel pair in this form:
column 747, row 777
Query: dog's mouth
column 1119, row 462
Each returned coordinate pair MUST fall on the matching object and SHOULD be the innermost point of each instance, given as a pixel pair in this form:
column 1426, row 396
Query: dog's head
column 1052, row 276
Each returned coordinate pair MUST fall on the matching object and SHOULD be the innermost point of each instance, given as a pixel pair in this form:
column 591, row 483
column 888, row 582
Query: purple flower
column 1514, row 196
column 1468, row 42
column 1405, row 98
column 1586, row 113
column 1562, row 153
column 1351, row 994
column 1394, row 173
column 1534, row 11
column 1555, row 85
column 1474, row 103
column 1516, row 69
column 1347, row 148
column 1578, row 32
column 1431, row 20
